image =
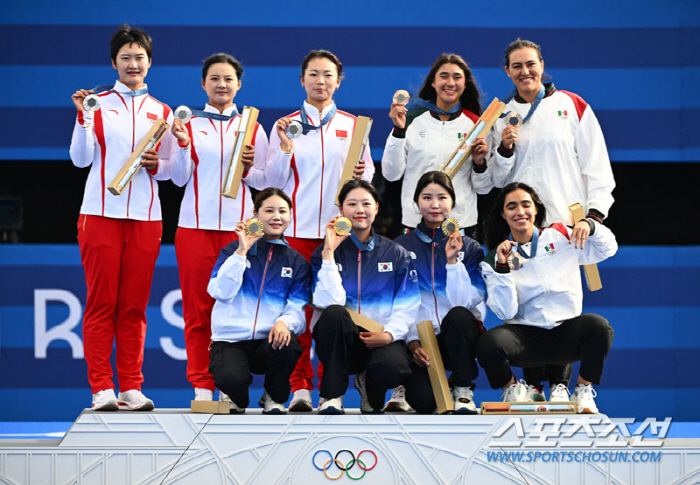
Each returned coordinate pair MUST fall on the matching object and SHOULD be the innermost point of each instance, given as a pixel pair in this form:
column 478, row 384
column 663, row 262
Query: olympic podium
column 174, row 446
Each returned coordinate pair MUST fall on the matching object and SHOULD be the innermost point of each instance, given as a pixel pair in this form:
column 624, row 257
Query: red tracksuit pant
column 303, row 375
column 119, row 256
column 197, row 251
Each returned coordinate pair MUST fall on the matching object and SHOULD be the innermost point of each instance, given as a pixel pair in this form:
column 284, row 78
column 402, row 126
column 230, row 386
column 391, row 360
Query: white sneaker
column 583, row 395
column 464, row 400
column 559, row 393
column 365, row 407
column 271, row 407
column 332, row 406
column 515, row 392
column 534, row 394
column 134, row 400
column 203, row 394
column 301, row 402
column 397, row 403
column 105, row 400
column 232, row 406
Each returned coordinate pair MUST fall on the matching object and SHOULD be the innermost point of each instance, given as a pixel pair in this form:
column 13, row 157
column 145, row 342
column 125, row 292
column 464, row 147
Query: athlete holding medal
column 423, row 139
column 261, row 286
column 558, row 150
column 306, row 158
column 208, row 219
column 540, row 299
column 119, row 235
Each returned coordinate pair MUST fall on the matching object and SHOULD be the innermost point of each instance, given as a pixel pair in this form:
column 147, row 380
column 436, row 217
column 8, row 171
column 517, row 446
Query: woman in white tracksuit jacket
column 533, row 284
column 309, row 168
column 422, row 140
column 559, row 151
column 207, row 218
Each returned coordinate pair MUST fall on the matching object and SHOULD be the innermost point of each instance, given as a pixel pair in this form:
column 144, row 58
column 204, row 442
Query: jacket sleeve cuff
column 399, row 132
column 479, row 168
column 154, row 170
column 502, row 268
column 596, row 215
column 505, row 152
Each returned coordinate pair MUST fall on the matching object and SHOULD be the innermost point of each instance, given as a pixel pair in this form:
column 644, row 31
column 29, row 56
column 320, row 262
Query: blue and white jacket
column 442, row 285
column 376, row 279
column 253, row 293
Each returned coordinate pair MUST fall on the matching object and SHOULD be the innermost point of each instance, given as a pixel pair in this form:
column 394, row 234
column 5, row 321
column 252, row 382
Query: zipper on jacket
column 323, row 169
column 133, row 141
column 359, row 279
column 432, row 277
column 262, row 285
column 221, row 140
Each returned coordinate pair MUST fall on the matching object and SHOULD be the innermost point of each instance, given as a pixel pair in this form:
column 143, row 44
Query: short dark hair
column 470, row 96
column 265, row 194
column 222, row 57
column 315, row 54
column 434, row 177
column 357, row 184
column 498, row 228
column 130, row 35
column 519, row 44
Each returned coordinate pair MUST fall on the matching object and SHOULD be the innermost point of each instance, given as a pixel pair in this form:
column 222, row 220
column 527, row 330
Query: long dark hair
column 434, row 177
column 498, row 229
column 470, row 96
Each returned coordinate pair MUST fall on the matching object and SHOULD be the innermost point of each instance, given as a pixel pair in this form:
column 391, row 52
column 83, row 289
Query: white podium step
column 178, row 447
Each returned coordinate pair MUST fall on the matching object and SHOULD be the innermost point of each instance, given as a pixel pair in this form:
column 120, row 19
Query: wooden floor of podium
column 175, row 446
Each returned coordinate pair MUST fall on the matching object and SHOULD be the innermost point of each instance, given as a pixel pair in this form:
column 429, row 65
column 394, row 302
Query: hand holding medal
column 504, row 251
column 398, row 108
column 337, row 230
column 248, row 233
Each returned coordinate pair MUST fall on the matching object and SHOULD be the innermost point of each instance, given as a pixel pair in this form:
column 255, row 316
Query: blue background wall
column 636, row 62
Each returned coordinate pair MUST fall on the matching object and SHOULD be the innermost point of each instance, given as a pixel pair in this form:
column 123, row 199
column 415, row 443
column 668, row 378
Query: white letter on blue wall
column 62, row 331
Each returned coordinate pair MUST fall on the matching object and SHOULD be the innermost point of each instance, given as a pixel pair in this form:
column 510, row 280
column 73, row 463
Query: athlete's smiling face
column 132, row 65
column 275, row 214
column 525, row 69
column 449, row 85
column 519, row 211
column 360, row 207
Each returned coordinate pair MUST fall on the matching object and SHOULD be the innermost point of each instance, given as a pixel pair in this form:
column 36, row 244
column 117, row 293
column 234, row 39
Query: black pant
column 587, row 338
column 555, row 374
column 459, row 332
column 342, row 353
column 231, row 364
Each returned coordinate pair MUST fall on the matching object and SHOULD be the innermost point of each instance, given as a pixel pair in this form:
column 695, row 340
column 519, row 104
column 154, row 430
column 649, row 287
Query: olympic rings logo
column 344, row 468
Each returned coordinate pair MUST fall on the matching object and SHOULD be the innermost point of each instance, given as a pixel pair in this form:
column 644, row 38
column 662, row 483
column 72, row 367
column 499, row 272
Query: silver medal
column 183, row 113
column 294, row 130
column 91, row 102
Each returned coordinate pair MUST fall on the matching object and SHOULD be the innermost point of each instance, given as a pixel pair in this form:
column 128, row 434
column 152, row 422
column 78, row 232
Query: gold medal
column 402, row 97
column 449, row 226
column 342, row 226
column 253, row 227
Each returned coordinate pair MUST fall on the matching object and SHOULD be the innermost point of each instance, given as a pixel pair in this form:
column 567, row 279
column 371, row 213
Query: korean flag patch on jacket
column 385, row 267
column 286, row 272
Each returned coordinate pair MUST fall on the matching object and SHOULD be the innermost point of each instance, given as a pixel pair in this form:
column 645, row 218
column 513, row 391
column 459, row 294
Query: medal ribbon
column 531, row 112
column 213, row 116
column 308, row 127
column 533, row 252
column 360, row 245
column 101, row 88
column 427, row 239
column 420, row 102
